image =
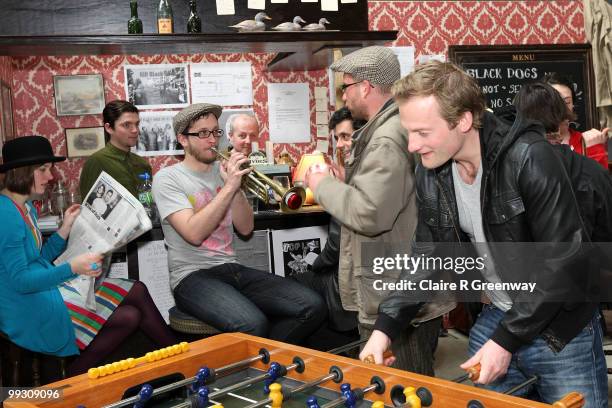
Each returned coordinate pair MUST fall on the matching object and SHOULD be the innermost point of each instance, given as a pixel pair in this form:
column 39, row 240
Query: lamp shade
column 299, row 174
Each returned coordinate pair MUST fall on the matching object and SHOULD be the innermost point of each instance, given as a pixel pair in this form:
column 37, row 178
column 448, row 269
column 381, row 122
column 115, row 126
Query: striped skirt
column 88, row 323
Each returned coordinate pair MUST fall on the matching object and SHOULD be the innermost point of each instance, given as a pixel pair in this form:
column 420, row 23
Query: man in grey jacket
column 376, row 204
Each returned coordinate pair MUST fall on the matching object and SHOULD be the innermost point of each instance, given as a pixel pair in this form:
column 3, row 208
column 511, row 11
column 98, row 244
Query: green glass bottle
column 165, row 21
column 134, row 23
column 194, row 24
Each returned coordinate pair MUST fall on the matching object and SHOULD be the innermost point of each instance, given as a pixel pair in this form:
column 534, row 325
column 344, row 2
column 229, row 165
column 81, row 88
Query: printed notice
column 225, row 8
column 289, row 113
column 153, row 272
column 256, row 4
column 222, row 83
column 329, row 5
column 405, row 55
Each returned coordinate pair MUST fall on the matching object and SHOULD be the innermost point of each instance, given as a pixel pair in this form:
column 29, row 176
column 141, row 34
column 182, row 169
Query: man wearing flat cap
column 376, row 203
column 199, row 200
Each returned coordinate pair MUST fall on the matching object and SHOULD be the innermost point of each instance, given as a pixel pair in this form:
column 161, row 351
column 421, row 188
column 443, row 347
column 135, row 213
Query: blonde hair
column 455, row 91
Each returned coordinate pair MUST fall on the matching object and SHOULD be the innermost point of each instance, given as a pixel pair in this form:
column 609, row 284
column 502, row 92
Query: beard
column 206, row 157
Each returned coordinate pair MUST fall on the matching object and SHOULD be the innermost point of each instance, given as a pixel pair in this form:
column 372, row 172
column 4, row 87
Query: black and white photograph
column 83, row 142
column 156, row 137
column 295, row 250
column 157, row 86
column 78, row 94
column 298, row 256
column 103, row 200
column 224, row 123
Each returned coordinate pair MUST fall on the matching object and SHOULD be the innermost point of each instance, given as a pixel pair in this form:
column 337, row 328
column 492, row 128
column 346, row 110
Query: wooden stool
column 16, row 356
column 184, row 323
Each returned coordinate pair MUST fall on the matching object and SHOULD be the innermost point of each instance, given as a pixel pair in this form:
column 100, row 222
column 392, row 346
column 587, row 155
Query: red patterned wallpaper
column 428, row 25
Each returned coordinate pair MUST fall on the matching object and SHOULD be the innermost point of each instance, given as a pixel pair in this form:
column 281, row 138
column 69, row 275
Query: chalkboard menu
column 501, row 70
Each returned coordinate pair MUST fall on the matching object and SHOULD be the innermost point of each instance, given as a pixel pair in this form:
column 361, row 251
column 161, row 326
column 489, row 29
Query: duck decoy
column 320, row 26
column 256, row 24
column 288, row 26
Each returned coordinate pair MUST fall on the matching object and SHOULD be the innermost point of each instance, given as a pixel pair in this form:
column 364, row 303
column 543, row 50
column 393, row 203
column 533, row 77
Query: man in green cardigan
column 121, row 123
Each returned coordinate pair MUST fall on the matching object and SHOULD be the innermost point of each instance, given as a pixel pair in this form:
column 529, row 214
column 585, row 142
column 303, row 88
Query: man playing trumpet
column 199, row 200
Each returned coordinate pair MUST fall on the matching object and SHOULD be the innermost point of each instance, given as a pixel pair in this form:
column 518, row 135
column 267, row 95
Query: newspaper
column 110, row 218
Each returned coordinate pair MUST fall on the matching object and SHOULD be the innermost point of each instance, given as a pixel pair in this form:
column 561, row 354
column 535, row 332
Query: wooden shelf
column 295, row 50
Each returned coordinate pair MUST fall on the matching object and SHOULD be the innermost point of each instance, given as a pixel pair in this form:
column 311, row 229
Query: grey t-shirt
column 470, row 221
column 177, row 188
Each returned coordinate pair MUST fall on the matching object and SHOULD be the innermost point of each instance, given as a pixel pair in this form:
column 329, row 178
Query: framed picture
column 294, row 250
column 6, row 117
column 501, row 70
column 156, row 137
column 155, row 86
column 83, row 142
column 78, row 94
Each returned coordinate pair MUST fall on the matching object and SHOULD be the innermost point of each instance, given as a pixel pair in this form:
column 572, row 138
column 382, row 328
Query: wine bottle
column 165, row 23
column 134, row 23
column 194, row 23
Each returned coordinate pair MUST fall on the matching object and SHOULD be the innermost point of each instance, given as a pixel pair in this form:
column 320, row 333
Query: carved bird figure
column 288, row 26
column 320, row 26
column 257, row 24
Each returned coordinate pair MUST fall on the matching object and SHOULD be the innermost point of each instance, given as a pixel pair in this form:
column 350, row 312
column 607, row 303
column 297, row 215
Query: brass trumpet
column 258, row 184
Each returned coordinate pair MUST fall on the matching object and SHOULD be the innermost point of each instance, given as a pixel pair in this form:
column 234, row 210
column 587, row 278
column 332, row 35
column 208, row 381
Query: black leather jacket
column 526, row 196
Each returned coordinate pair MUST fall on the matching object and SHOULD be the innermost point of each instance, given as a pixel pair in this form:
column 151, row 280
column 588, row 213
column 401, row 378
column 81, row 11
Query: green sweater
column 120, row 165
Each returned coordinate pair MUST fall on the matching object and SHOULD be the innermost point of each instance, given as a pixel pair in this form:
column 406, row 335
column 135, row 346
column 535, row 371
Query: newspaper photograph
column 110, row 218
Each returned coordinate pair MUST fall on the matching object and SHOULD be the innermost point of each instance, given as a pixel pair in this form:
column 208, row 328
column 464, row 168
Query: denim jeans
column 580, row 366
column 235, row 298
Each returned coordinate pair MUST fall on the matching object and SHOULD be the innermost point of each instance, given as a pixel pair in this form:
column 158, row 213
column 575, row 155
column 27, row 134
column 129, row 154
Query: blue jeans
column 235, row 298
column 580, row 366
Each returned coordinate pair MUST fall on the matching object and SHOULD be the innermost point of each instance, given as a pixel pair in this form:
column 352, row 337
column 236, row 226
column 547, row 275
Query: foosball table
column 235, row 370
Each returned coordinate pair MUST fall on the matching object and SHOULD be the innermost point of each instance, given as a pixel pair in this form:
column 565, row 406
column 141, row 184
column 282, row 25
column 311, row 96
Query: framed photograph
column 6, row 118
column 224, row 121
column 296, row 249
column 157, row 85
column 83, row 142
column 79, row 94
column 156, row 137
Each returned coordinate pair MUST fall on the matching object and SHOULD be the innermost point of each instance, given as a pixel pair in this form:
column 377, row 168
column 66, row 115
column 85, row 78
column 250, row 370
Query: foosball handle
column 571, row 400
column 473, row 372
column 312, row 402
column 412, row 399
column 276, row 395
column 369, row 359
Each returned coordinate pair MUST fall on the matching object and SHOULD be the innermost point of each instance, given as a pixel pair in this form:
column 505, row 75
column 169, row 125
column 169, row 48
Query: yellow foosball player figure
column 276, row 395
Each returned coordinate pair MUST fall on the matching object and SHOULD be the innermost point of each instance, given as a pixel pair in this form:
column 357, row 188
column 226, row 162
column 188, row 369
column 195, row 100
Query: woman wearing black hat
column 31, row 283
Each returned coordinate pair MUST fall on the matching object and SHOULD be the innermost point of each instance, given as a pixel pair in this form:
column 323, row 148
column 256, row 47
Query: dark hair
column 554, row 78
column 20, row 179
column 113, row 111
column 343, row 114
column 541, row 102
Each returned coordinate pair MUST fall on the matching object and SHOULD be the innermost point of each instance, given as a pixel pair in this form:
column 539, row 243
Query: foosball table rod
column 351, row 397
column 335, row 374
column 205, row 375
column 275, row 371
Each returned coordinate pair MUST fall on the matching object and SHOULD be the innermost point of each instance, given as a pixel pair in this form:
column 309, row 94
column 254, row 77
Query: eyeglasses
column 205, row 134
column 343, row 87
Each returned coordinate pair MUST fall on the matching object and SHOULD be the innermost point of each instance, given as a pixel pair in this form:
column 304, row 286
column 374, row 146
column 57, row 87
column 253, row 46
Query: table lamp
column 307, row 160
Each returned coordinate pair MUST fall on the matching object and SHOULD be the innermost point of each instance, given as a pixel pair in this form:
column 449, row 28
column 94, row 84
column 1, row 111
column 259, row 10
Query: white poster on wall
column 222, row 83
column 294, row 250
column 289, row 113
